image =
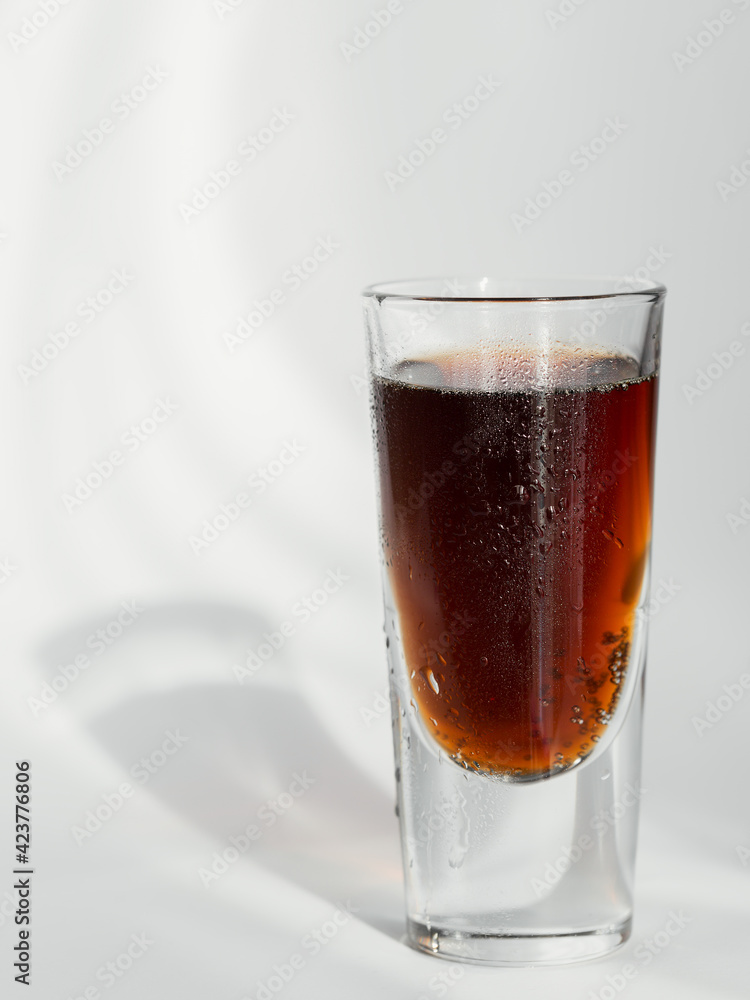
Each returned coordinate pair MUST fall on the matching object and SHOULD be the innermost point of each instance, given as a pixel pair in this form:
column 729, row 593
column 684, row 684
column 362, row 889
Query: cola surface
column 516, row 520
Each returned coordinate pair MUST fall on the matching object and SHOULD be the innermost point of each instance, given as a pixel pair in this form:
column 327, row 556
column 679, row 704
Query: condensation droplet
column 431, row 680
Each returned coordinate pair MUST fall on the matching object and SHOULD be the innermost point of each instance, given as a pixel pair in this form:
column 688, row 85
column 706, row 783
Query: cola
column 515, row 494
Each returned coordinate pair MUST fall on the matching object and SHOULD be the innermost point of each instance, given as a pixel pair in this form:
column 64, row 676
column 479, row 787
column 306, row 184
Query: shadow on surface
column 253, row 754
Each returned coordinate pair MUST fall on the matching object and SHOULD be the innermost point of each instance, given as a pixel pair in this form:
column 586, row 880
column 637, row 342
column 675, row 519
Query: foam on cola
column 533, row 476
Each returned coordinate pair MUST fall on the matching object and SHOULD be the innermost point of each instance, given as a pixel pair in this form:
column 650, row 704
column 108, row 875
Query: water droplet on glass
column 430, row 678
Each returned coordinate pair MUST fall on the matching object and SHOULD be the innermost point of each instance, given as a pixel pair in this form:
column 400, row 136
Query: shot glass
column 514, row 427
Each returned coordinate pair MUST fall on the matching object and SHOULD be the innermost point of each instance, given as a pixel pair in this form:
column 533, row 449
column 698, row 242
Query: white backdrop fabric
column 192, row 196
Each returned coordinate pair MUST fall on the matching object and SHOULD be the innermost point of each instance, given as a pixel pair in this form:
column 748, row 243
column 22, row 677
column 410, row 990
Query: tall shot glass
column 514, row 428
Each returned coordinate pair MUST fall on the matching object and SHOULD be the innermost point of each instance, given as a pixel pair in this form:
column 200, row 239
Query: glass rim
column 605, row 287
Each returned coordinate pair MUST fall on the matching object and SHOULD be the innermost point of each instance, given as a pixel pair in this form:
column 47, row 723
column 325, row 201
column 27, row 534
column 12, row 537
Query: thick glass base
column 516, row 950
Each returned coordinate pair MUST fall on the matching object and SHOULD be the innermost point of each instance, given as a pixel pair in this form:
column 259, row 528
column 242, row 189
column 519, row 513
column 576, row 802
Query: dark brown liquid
column 516, row 526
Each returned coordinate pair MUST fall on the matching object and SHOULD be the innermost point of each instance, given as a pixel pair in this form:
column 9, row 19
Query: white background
column 298, row 379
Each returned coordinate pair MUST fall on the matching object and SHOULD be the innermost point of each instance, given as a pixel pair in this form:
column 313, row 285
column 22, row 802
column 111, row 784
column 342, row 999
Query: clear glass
column 514, row 428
